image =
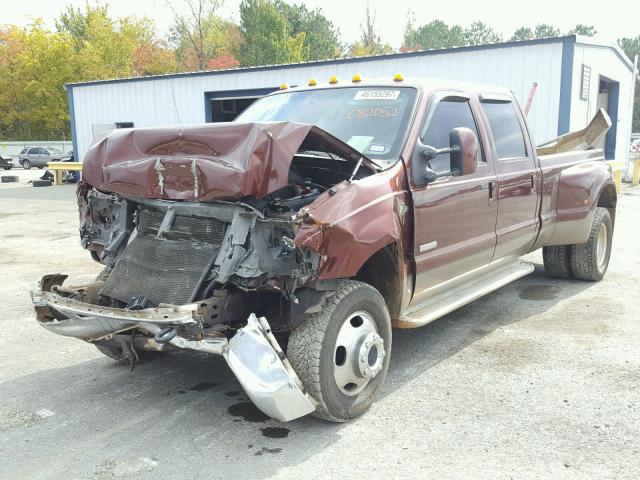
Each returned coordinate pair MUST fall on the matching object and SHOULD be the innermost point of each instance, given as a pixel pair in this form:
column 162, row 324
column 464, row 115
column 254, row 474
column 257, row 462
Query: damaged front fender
column 352, row 221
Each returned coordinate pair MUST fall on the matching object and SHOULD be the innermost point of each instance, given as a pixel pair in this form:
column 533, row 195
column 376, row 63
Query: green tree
column 321, row 37
column 410, row 41
column 437, row 34
column 523, row 33
column 585, row 30
column 268, row 38
column 631, row 47
column 369, row 42
column 544, row 30
column 479, row 33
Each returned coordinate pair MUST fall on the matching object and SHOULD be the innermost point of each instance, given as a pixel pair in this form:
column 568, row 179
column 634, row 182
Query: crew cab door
column 454, row 216
column 518, row 176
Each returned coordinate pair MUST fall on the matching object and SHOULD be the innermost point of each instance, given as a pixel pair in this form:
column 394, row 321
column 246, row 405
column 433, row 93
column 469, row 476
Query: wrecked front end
column 184, row 273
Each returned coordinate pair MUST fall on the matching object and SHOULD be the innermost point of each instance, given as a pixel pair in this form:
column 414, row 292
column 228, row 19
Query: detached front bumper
column 253, row 354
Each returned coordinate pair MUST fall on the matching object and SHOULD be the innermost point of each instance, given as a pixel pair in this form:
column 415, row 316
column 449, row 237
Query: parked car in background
column 635, row 145
column 6, row 162
column 38, row 157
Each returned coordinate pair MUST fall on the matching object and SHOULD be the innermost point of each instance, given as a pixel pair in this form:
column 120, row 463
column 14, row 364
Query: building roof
column 386, row 56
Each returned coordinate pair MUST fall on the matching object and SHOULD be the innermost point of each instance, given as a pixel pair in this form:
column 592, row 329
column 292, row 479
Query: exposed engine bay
column 238, row 256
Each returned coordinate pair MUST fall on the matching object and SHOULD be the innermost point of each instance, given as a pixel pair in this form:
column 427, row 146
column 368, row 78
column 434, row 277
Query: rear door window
column 506, row 130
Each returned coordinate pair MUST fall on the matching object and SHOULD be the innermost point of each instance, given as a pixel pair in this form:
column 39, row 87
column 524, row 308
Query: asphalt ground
column 537, row 380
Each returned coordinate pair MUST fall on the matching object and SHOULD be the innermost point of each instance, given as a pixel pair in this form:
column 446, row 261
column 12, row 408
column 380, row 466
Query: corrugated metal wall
column 150, row 102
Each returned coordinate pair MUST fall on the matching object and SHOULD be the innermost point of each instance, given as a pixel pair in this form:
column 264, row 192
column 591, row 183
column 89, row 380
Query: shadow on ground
column 187, row 408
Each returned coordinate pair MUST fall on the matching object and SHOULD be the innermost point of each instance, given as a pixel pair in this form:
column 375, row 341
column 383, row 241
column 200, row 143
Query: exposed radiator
column 169, row 269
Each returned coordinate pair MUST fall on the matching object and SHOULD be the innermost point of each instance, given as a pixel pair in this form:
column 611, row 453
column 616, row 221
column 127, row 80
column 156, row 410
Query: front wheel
column 341, row 353
column 26, row 164
column 7, row 168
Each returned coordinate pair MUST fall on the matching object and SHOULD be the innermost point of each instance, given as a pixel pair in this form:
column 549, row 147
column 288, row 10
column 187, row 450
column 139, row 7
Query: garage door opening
column 226, row 106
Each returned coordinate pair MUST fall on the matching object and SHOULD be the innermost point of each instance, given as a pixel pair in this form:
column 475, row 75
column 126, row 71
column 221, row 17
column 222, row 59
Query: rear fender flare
column 581, row 188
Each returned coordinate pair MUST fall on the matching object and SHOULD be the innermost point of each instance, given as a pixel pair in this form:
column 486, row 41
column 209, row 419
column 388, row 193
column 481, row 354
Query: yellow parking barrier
column 635, row 179
column 58, row 167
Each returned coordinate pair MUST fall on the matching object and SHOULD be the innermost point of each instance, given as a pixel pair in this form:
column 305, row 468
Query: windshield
column 373, row 120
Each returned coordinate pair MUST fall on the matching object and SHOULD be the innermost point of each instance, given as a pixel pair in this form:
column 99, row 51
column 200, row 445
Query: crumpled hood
column 203, row 162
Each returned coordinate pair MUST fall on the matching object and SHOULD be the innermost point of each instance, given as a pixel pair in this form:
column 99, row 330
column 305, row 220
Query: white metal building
column 575, row 76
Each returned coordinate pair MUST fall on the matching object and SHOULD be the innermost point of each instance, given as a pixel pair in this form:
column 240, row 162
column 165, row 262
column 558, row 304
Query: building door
column 225, row 106
column 608, row 95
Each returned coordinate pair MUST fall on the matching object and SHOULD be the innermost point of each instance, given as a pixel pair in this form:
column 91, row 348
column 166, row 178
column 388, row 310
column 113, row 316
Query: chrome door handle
column 492, row 189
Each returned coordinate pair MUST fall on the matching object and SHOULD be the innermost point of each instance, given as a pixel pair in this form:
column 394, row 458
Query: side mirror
column 464, row 150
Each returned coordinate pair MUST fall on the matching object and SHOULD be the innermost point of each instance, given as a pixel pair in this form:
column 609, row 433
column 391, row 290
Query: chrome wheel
column 358, row 354
column 601, row 248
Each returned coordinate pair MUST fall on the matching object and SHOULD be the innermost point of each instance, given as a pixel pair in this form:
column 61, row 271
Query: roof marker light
column 398, row 77
column 356, row 78
column 333, row 79
column 284, row 86
column 313, row 82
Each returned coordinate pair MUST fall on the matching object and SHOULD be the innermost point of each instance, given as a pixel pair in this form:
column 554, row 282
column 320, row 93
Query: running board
column 440, row 304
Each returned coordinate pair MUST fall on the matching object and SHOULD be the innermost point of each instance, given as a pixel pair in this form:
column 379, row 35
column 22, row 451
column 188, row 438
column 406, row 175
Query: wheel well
column 382, row 271
column 608, row 199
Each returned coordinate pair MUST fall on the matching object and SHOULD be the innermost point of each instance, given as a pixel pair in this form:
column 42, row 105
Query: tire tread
column 584, row 263
column 306, row 343
column 557, row 261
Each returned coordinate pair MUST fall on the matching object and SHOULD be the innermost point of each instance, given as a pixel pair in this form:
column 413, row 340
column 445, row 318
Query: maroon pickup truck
column 291, row 240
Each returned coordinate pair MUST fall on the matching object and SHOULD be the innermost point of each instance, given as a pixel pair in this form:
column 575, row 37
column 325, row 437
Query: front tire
column 26, row 164
column 341, row 353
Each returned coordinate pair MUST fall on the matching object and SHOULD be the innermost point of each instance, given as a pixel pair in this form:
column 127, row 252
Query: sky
column 612, row 19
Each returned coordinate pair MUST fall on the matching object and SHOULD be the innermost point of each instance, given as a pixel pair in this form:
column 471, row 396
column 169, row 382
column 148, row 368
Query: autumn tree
column 202, row 39
column 34, row 65
column 119, row 47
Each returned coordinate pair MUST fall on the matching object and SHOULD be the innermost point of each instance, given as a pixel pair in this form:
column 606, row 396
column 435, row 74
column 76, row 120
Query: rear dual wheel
column 585, row 261
column 341, row 353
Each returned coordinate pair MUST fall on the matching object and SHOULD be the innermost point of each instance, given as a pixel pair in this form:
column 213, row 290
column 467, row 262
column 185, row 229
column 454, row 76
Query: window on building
column 124, row 124
column 506, row 130
column 449, row 114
